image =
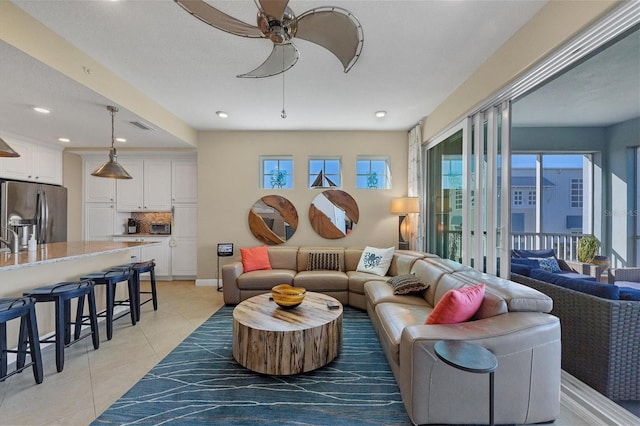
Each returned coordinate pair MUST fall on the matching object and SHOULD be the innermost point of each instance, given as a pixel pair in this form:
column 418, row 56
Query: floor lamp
column 403, row 207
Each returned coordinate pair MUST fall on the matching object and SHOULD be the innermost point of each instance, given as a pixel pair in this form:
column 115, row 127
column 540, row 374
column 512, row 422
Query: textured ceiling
column 415, row 54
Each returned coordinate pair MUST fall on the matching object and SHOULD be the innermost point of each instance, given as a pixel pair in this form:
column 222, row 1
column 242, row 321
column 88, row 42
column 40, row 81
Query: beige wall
column 72, row 179
column 558, row 22
column 228, row 177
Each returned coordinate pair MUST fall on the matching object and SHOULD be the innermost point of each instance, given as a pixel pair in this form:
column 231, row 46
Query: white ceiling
column 415, row 54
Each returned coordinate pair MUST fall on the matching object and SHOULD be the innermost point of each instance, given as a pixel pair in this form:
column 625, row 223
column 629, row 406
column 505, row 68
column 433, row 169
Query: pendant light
column 111, row 169
column 6, row 150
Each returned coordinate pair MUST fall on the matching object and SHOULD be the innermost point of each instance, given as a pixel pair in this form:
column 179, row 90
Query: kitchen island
column 58, row 262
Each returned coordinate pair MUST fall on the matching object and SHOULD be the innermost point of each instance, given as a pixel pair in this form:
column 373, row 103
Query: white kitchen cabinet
column 99, row 221
column 184, row 181
column 98, row 189
column 37, row 163
column 184, row 240
column 160, row 253
column 150, row 188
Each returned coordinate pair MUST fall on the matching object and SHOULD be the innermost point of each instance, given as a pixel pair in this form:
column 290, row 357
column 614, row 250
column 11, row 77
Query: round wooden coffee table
column 271, row 340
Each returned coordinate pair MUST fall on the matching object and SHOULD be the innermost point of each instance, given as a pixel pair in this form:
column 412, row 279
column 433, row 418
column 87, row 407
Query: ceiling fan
column 333, row 28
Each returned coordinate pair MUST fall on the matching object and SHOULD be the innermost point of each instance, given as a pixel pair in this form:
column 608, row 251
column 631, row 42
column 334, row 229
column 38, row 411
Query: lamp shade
column 112, row 169
column 404, row 205
column 6, row 150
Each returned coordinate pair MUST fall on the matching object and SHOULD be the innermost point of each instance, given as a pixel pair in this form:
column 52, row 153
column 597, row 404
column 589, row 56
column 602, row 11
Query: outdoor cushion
column 533, row 253
column 606, row 291
column 628, row 293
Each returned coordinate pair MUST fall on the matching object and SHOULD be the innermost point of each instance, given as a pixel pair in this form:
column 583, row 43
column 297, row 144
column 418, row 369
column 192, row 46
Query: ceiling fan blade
column 335, row 29
column 282, row 57
column 218, row 19
column 274, row 8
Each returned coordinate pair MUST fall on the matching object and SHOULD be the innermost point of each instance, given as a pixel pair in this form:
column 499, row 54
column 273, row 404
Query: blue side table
column 469, row 357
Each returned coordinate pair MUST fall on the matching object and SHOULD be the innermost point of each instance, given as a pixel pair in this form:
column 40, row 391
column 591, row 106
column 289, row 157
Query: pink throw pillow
column 254, row 259
column 457, row 305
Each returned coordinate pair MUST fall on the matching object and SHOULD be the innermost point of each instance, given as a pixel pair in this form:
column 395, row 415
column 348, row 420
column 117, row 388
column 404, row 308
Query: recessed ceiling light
column 380, row 114
column 123, row 140
column 222, row 114
column 42, row 110
column 65, row 140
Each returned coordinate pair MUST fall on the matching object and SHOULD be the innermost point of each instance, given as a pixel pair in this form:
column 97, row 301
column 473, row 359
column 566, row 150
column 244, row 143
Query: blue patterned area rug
column 200, row 383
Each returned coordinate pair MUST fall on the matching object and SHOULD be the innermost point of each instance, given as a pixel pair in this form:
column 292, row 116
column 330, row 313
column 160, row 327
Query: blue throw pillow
column 549, row 264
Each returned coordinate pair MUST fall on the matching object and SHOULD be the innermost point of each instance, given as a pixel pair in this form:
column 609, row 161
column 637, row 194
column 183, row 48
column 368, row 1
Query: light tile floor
column 93, row 380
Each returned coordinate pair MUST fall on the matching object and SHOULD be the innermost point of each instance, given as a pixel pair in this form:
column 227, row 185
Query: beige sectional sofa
column 289, row 266
column 512, row 322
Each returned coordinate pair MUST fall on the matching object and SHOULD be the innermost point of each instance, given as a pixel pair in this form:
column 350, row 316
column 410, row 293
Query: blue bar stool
column 23, row 308
column 62, row 294
column 139, row 268
column 110, row 278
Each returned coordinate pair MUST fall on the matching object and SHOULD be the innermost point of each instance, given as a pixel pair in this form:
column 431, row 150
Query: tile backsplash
column 145, row 219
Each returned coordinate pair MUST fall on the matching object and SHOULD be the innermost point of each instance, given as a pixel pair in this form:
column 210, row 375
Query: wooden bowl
column 288, row 297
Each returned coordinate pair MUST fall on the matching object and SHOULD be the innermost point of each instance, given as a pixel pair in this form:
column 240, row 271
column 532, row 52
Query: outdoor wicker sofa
column 600, row 338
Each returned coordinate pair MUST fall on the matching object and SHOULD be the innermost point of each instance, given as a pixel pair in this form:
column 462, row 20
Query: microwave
column 160, row 228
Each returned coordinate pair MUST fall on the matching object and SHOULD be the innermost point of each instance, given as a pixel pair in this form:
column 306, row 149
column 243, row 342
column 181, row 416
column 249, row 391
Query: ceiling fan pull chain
column 283, row 113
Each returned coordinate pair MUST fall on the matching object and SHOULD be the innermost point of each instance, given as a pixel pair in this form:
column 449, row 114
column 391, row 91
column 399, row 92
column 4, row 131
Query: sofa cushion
column 394, row 318
column 381, row 292
column 457, row 305
column 575, row 275
column 265, row 279
column 321, row 261
column 407, row 283
column 402, row 262
column 491, row 306
column 532, row 263
column 520, row 269
column 629, row 293
column 519, row 298
column 283, row 257
column 255, row 258
column 375, row 260
column 357, row 280
column 533, row 253
column 606, row 291
column 428, row 273
column 322, row 281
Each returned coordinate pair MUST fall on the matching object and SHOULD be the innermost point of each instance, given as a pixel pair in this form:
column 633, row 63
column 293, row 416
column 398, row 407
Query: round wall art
column 333, row 214
column 273, row 219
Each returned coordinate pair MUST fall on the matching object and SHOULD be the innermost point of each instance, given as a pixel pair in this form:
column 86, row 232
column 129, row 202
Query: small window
column 373, row 173
column 576, row 193
column 458, row 199
column 517, row 198
column 574, row 222
column 277, row 172
column 325, row 173
column 531, row 198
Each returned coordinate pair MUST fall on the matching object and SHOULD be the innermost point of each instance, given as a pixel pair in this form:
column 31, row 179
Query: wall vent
column 141, row 125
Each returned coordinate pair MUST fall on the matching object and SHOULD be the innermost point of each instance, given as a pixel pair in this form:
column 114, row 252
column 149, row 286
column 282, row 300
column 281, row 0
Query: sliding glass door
column 466, row 208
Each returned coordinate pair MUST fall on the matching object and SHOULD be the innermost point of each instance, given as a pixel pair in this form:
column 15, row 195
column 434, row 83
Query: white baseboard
column 208, row 282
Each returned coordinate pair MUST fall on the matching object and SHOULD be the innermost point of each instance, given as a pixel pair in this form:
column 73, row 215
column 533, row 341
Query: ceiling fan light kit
column 333, row 28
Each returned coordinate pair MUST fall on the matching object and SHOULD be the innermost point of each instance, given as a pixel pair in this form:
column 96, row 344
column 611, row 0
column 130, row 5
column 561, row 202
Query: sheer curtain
column 415, row 188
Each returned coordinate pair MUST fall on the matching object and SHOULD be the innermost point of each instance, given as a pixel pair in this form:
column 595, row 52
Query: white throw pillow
column 375, row 260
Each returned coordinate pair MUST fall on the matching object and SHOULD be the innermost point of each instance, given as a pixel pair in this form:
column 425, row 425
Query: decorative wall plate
column 333, row 214
column 273, row 219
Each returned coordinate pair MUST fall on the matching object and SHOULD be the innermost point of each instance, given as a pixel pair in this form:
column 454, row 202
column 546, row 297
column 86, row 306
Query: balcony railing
column 565, row 245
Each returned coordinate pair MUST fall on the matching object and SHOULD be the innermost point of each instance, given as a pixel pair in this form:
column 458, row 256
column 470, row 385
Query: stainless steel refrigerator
column 34, row 207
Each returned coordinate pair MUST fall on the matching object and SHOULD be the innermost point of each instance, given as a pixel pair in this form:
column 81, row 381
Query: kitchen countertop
column 140, row 234
column 57, row 252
